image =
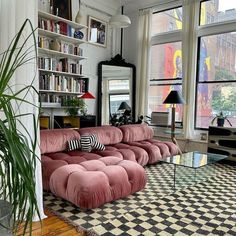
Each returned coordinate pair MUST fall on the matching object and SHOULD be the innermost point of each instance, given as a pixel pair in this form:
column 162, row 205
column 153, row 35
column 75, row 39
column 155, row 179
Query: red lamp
column 87, row 95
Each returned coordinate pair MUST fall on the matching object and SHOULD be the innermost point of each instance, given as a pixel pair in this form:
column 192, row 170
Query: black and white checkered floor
column 205, row 205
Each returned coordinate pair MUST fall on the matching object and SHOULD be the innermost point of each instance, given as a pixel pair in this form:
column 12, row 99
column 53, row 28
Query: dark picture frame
column 62, row 8
column 97, row 31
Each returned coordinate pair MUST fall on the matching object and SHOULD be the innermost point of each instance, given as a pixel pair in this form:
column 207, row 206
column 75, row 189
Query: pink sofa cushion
column 136, row 132
column 56, row 140
column 106, row 135
column 93, row 183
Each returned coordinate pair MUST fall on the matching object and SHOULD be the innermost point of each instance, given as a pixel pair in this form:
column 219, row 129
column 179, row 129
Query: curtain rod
column 95, row 9
column 158, row 5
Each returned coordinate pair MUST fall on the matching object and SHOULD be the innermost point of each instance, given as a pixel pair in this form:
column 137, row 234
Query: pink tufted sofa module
column 141, row 135
column 88, row 180
column 91, row 179
column 132, row 142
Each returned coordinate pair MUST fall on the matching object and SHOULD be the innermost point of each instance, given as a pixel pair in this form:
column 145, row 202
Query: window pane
column 217, row 11
column 217, row 57
column 157, row 95
column 214, row 98
column 118, row 85
column 116, row 100
column 166, row 21
column 166, row 61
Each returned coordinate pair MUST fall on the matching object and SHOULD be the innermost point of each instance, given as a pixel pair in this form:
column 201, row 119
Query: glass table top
column 194, row 159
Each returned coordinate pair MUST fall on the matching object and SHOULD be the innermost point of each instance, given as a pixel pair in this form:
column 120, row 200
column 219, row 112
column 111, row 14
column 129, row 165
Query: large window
column 206, row 38
column 166, row 60
column 216, row 74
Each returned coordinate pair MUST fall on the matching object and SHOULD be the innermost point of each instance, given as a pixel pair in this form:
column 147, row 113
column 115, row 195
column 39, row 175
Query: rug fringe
column 79, row 229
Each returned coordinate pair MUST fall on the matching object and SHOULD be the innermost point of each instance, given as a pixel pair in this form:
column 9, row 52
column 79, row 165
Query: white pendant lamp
column 120, row 21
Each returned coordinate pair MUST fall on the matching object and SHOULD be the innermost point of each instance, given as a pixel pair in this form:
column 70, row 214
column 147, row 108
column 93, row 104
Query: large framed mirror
column 116, row 84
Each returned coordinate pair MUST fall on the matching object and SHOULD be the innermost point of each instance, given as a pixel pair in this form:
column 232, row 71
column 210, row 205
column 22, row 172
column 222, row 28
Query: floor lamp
column 173, row 98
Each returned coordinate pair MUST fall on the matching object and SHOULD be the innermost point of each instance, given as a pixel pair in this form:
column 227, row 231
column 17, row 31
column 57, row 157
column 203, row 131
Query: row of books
column 65, row 47
column 50, row 98
column 63, row 65
column 53, row 82
column 56, row 27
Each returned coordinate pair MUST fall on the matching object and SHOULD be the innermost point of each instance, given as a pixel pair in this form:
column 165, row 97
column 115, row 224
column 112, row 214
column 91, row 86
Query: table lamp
column 173, row 98
column 124, row 106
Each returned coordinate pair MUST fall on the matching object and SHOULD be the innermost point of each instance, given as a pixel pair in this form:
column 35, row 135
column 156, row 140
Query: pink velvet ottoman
column 92, row 183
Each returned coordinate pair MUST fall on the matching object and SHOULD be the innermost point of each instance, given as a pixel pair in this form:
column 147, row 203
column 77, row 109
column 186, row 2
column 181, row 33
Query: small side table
column 173, row 133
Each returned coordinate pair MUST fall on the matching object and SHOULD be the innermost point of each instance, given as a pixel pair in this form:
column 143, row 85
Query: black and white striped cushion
column 90, row 142
column 87, row 143
column 96, row 145
column 74, row 144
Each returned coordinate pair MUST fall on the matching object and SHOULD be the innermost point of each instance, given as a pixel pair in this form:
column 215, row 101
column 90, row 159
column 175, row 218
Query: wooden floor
column 53, row 226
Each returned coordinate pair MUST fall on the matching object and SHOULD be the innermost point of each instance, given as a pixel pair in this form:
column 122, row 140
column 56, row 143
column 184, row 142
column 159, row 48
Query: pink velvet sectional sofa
column 89, row 180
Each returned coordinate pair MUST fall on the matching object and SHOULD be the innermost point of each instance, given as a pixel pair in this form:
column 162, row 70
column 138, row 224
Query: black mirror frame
column 115, row 61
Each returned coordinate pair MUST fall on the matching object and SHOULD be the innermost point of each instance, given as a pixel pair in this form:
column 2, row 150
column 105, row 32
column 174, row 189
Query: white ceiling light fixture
column 120, row 21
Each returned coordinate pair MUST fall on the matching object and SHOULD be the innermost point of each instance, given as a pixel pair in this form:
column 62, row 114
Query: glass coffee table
column 193, row 160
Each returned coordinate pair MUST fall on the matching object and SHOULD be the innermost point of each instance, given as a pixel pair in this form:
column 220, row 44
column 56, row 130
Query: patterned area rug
column 201, row 204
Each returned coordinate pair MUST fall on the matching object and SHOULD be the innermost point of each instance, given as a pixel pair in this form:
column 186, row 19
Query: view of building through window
column 167, row 21
column 166, row 75
column 214, row 11
column 166, row 62
column 217, row 66
column 216, row 71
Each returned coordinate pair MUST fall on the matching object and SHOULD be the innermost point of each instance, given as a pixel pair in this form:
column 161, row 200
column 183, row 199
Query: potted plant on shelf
column 17, row 150
column 220, row 119
column 75, row 105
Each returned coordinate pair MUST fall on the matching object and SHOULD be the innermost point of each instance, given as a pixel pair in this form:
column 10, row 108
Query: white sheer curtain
column 144, row 40
column 189, row 73
column 12, row 14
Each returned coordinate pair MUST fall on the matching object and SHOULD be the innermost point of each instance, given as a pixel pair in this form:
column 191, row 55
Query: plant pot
column 220, row 122
column 5, row 218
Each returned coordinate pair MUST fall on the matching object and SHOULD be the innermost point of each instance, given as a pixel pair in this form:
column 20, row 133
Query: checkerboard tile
column 206, row 207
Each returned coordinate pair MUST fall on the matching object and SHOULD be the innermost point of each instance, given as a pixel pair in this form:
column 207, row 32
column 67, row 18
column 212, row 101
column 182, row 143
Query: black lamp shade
column 174, row 98
column 124, row 106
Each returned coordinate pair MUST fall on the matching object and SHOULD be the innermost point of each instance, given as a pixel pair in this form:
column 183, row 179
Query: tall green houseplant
column 17, row 150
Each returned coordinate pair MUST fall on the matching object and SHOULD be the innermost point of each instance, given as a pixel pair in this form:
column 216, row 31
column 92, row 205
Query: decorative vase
column 55, row 45
column 5, row 218
column 78, row 18
column 220, row 122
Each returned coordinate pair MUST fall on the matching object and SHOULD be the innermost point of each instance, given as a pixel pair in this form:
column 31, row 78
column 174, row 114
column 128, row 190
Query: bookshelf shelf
column 52, row 53
column 47, row 33
column 58, row 19
column 44, row 71
column 60, row 92
column 51, row 105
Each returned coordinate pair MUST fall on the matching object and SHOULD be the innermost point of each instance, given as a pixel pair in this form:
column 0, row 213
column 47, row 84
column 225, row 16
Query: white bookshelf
column 52, row 22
